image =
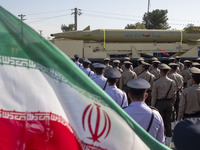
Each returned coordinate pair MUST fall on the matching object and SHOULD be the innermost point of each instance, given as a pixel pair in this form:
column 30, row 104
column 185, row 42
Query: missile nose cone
column 51, row 34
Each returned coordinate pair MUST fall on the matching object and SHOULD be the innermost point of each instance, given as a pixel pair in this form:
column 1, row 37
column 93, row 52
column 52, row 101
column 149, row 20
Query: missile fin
column 87, row 28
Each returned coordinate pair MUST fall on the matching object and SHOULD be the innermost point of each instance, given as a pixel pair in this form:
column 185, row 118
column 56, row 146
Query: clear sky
column 49, row 15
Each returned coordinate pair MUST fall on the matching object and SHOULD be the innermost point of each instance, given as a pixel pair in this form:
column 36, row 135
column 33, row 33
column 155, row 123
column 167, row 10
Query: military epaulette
column 153, row 108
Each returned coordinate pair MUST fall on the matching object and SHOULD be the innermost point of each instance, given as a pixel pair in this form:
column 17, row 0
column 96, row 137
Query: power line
column 109, row 17
column 106, row 15
column 48, row 12
column 47, row 18
column 117, row 18
column 116, row 14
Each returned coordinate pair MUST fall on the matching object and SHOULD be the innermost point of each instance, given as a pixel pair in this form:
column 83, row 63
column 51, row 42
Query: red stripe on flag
column 35, row 134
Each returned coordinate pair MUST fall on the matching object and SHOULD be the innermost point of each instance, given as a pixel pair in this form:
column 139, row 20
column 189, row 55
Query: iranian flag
column 48, row 103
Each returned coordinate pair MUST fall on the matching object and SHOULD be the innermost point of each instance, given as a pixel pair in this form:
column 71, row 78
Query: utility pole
column 22, row 17
column 148, row 6
column 75, row 13
column 40, row 32
column 22, row 32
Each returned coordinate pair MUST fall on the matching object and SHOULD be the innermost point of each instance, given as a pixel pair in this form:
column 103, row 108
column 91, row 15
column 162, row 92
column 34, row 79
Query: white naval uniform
column 89, row 72
column 101, row 81
column 79, row 64
column 117, row 95
column 142, row 114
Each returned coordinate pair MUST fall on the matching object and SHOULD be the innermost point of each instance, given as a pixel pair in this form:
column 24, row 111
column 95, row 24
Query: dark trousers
column 148, row 100
column 165, row 109
column 176, row 105
column 126, row 89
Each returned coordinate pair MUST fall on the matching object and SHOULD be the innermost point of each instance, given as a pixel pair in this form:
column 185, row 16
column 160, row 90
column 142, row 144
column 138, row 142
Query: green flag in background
column 48, row 103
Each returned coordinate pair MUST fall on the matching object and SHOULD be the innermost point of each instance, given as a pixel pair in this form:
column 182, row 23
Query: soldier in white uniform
column 116, row 94
column 76, row 57
column 100, row 79
column 148, row 118
column 86, row 68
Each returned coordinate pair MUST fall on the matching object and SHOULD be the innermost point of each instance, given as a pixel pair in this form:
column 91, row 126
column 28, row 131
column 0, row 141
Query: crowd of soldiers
column 156, row 95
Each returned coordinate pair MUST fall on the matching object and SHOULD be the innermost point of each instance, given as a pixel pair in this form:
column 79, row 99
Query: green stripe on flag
column 19, row 40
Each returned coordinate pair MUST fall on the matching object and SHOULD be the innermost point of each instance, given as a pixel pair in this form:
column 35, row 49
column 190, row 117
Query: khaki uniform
column 189, row 83
column 163, row 102
column 177, row 70
column 178, row 80
column 151, row 68
column 186, row 76
column 146, row 75
column 126, row 76
column 120, row 70
column 156, row 73
column 123, row 68
column 160, row 88
column 138, row 69
column 179, row 86
column 181, row 66
column 190, row 101
column 108, row 66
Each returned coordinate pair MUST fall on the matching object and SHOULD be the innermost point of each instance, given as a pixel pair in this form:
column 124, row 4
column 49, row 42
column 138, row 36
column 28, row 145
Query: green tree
column 191, row 28
column 157, row 19
column 137, row 25
column 65, row 28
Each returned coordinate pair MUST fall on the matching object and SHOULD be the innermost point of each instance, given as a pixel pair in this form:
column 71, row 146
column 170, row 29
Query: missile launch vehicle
column 116, row 43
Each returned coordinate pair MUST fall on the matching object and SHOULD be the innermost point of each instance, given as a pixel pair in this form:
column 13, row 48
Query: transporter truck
column 133, row 43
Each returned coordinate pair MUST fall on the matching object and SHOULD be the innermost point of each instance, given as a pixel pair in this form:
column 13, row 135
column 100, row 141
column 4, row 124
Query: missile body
column 131, row 35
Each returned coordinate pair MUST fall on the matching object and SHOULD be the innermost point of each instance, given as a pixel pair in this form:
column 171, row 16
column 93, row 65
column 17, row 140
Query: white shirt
column 88, row 72
column 101, row 81
column 117, row 95
column 142, row 113
column 79, row 64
